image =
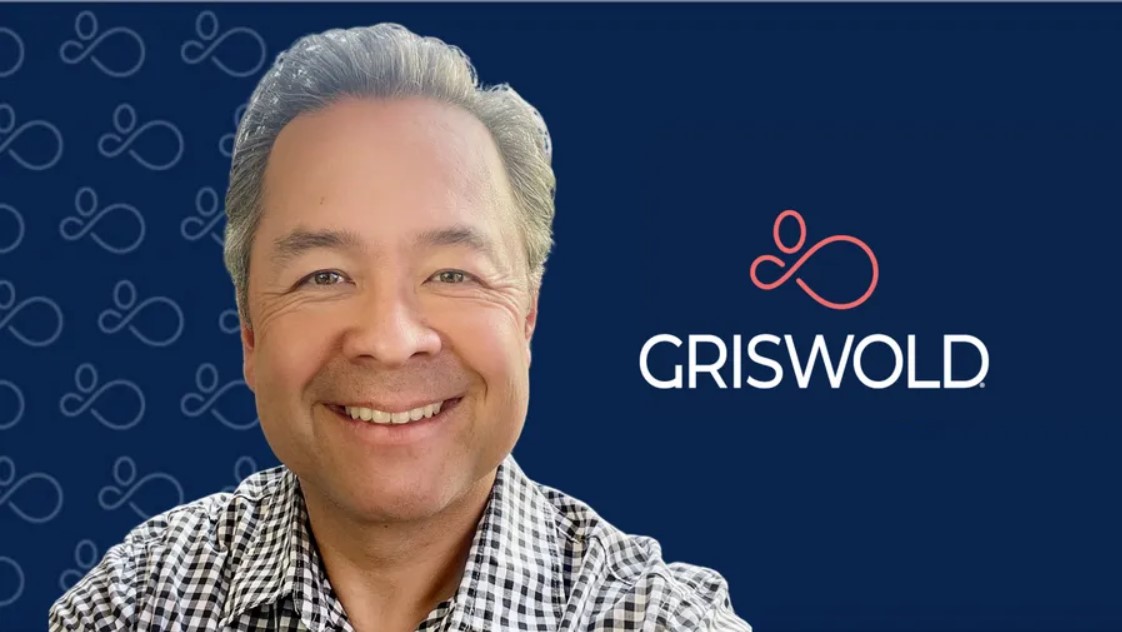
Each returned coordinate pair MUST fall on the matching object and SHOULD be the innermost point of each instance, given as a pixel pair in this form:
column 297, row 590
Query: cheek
column 490, row 340
column 289, row 354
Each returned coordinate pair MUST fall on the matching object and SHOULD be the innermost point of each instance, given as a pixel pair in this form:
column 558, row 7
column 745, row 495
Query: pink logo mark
column 813, row 249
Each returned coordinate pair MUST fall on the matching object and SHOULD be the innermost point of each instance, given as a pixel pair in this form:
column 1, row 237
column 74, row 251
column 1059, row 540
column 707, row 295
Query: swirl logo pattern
column 89, row 216
column 226, row 143
column 206, row 219
column 10, row 591
column 228, row 321
column 124, row 299
column 86, row 380
column 40, row 308
column 41, row 486
column 243, row 468
column 8, row 67
column 111, row 124
column 126, row 486
column 197, row 404
column 126, row 132
column 42, row 135
column 206, row 28
column 89, row 40
column 9, row 244
column 790, row 250
column 85, row 557
column 11, row 415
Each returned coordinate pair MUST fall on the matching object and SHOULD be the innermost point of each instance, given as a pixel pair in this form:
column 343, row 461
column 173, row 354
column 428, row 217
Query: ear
column 248, row 341
column 531, row 321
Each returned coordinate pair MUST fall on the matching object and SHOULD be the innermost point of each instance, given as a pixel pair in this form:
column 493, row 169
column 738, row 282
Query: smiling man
column 388, row 225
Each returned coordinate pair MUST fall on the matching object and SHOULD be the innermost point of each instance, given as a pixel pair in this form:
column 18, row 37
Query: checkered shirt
column 539, row 560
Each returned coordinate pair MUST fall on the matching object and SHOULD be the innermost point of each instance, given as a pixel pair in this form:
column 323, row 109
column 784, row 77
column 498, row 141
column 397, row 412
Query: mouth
column 390, row 428
column 385, row 418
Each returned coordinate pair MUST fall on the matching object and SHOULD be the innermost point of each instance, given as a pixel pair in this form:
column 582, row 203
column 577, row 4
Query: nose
column 388, row 326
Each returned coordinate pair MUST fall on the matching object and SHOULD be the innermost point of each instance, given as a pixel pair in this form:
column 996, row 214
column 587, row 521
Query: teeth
column 382, row 417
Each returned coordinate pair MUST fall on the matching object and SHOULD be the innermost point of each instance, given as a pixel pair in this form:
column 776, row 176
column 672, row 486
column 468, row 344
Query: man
column 388, row 225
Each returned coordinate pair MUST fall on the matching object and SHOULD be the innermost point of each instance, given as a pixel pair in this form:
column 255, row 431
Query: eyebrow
column 458, row 235
column 300, row 240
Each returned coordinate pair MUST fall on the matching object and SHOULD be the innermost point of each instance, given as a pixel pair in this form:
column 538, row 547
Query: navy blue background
column 973, row 147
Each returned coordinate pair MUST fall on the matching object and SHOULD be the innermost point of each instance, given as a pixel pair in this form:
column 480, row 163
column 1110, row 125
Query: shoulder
column 169, row 557
column 624, row 582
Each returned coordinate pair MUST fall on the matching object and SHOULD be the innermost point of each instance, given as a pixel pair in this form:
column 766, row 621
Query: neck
column 390, row 575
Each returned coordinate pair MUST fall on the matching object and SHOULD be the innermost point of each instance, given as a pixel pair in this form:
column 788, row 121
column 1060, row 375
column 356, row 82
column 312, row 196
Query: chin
column 404, row 501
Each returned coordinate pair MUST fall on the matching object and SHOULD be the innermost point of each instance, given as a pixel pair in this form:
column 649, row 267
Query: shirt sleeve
column 724, row 619
column 102, row 601
column 706, row 586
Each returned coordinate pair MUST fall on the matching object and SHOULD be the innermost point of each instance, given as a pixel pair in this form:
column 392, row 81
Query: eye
column 322, row 278
column 453, row 277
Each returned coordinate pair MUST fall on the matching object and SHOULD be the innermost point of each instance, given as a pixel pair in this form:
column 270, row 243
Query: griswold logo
column 765, row 369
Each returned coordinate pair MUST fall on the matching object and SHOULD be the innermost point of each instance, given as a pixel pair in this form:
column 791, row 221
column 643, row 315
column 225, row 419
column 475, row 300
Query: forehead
column 383, row 168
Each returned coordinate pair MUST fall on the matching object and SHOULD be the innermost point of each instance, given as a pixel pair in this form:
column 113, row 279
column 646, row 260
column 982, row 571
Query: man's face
column 387, row 273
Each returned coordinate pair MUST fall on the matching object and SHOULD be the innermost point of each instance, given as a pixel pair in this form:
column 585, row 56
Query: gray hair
column 385, row 61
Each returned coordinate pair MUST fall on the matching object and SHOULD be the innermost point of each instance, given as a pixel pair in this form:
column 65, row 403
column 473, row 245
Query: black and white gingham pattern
column 540, row 560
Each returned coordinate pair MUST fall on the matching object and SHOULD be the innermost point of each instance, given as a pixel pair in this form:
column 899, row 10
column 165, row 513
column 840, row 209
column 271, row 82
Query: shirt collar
column 514, row 565
column 262, row 570
column 515, row 551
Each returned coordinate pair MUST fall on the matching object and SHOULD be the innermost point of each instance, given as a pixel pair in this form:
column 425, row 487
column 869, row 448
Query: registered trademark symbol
column 982, row 385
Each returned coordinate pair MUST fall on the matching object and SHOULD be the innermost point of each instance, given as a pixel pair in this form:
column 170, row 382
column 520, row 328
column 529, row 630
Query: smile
column 375, row 416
